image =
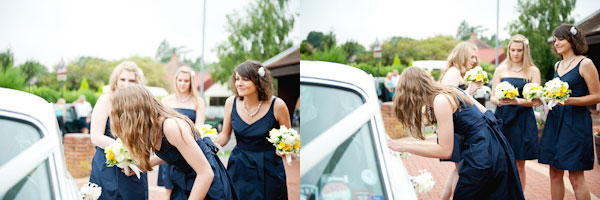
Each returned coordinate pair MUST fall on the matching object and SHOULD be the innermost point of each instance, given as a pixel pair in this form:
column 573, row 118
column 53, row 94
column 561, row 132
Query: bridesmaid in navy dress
column 115, row 184
column 146, row 126
column 462, row 58
column 519, row 125
column 187, row 102
column 257, row 171
column 487, row 169
column 567, row 141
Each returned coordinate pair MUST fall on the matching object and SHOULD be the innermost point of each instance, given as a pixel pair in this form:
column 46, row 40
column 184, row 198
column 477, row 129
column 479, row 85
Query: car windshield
column 352, row 170
column 17, row 136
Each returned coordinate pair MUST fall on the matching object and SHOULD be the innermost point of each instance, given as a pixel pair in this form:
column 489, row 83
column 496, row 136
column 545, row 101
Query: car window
column 17, row 137
column 351, row 171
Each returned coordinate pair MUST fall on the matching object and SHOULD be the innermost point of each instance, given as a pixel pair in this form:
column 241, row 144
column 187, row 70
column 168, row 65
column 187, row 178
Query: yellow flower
column 281, row 145
column 287, row 147
column 479, row 77
column 563, row 88
column 297, row 145
column 109, row 153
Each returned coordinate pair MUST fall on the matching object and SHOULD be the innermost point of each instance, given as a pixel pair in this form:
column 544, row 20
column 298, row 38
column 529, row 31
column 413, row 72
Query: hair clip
column 526, row 42
column 261, row 71
column 573, row 30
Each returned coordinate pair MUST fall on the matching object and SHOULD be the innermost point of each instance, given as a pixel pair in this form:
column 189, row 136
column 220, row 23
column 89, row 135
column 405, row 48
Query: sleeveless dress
column 255, row 169
column 457, row 141
column 487, row 169
column 115, row 184
column 182, row 175
column 518, row 125
column 567, row 142
column 163, row 175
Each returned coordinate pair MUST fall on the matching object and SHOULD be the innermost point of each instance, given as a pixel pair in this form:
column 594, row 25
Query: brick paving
column 538, row 181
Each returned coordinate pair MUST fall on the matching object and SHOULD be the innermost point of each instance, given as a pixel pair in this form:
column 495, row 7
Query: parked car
column 214, row 117
column 32, row 162
column 344, row 151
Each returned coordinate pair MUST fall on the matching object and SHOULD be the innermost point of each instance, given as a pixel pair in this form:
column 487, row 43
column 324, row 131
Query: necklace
column 570, row 61
column 254, row 113
column 518, row 70
column 186, row 98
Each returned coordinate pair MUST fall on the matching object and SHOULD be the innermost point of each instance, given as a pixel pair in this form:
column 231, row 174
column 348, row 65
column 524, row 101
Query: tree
column 314, row 38
column 464, row 30
column 328, row 41
column 437, row 47
column 31, row 69
column 352, row 48
column 84, row 85
column 396, row 61
column 6, row 60
column 165, row 51
column 260, row 35
column 536, row 21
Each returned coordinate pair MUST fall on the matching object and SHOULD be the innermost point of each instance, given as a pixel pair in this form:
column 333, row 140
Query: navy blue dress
column 567, row 142
column 182, row 175
column 518, row 125
column 457, row 141
column 163, row 175
column 487, row 169
column 115, row 184
column 255, row 169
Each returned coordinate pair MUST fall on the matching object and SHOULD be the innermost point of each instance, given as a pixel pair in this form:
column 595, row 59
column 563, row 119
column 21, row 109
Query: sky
column 45, row 30
column 365, row 20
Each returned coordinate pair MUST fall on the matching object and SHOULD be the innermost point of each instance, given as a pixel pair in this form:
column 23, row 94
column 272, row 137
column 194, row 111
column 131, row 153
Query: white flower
column 573, row 30
column 90, row 191
column 261, row 71
column 423, row 182
column 532, row 91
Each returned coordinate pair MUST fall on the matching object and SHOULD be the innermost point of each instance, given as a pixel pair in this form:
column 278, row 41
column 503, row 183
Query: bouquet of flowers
column 504, row 90
column 118, row 155
column 556, row 91
column 90, row 191
column 476, row 75
column 207, row 131
column 532, row 91
column 287, row 142
column 423, row 182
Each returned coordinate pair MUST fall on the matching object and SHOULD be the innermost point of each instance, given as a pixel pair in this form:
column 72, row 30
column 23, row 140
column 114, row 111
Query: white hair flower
column 261, row 71
column 573, row 30
column 526, row 42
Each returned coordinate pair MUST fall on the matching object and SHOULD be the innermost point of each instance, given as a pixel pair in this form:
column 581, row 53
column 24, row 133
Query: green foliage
column 436, row 74
column 31, row 69
column 536, row 21
column 165, row 51
column 260, row 35
column 314, row 38
column 84, row 85
column 328, row 41
column 52, row 95
column 6, row 60
column 352, row 48
column 396, row 61
column 489, row 68
column 335, row 54
column 436, row 48
column 94, row 70
column 12, row 78
column 464, row 30
column 306, row 48
column 383, row 70
column 154, row 73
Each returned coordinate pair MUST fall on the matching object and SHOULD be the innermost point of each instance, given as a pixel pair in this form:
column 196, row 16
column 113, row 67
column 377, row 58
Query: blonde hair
column 192, row 89
column 527, row 61
column 458, row 58
column 414, row 88
column 134, row 118
column 128, row 66
column 61, row 101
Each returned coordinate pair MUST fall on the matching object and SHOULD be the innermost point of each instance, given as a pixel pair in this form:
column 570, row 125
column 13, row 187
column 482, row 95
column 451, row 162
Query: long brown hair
column 249, row 69
column 527, row 61
column 414, row 88
column 577, row 40
column 458, row 58
column 135, row 118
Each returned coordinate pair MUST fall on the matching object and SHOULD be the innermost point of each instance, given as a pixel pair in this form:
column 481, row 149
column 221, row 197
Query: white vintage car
column 344, row 152
column 32, row 162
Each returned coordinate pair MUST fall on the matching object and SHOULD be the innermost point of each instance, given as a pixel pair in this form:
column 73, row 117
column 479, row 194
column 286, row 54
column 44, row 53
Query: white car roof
column 28, row 104
column 338, row 72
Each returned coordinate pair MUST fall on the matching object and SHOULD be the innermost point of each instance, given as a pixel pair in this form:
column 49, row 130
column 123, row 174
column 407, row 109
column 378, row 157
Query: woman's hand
column 536, row 102
column 131, row 173
column 396, row 145
column 473, row 87
column 509, row 102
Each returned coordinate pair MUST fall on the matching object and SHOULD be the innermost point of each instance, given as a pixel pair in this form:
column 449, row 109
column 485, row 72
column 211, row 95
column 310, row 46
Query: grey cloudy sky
column 365, row 20
column 114, row 29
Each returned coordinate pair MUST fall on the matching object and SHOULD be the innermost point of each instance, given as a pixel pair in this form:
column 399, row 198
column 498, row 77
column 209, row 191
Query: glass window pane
column 350, row 172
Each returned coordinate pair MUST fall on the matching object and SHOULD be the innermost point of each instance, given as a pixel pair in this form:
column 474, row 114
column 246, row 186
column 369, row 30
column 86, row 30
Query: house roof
column 489, row 55
column 285, row 63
